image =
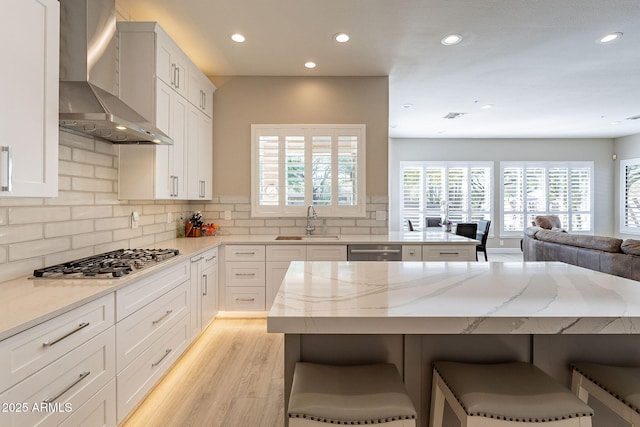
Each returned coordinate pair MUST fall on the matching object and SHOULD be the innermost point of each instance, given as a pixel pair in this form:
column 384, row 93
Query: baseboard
column 242, row 315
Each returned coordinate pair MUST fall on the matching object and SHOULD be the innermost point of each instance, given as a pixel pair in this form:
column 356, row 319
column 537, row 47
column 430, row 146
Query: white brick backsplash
column 153, row 229
column 20, row 233
column 107, row 199
column 106, row 148
column 66, row 198
column 25, row 267
column 67, row 228
column 265, row 230
column 64, row 183
column 4, row 216
column 39, row 214
column 67, row 256
column 91, row 158
column 152, row 209
column 78, row 141
column 91, row 184
column 146, row 220
column 127, row 233
column 3, row 255
column 234, row 199
column 20, row 251
column 111, row 246
column 113, row 223
column 142, row 241
column 26, row 201
column 84, row 212
column 166, row 235
column 125, row 210
column 280, row 222
column 106, row 173
column 91, row 239
column 75, row 169
column 64, row 153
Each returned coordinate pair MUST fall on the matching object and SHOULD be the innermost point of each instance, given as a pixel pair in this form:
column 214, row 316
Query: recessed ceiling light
column 451, row 39
column 407, row 106
column 487, row 106
column 607, row 38
column 341, row 37
column 310, row 64
column 238, row 38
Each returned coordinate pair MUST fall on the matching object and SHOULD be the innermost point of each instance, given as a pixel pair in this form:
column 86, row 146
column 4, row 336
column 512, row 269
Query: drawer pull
column 246, row 253
column 197, row 260
column 245, row 274
column 245, row 299
column 449, row 253
column 57, row 340
column 375, row 251
column 210, row 259
column 57, row 396
column 164, row 316
column 205, row 283
column 166, row 353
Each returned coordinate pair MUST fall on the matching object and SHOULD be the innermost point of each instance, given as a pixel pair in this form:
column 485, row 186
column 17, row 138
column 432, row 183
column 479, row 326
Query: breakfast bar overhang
column 414, row 313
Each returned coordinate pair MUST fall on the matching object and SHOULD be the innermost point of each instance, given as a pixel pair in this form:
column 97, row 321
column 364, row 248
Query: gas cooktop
column 108, row 265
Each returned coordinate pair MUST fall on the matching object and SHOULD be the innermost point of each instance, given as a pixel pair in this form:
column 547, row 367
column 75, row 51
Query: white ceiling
column 537, row 61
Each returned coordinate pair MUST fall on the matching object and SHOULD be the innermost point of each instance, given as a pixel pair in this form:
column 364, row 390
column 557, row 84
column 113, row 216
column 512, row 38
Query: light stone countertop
column 26, row 302
column 453, row 298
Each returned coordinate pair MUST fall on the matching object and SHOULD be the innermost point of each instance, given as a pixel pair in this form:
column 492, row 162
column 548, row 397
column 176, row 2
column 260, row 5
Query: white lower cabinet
column 137, row 379
column 53, row 393
column 204, row 290
column 326, row 252
column 275, row 272
column 448, row 253
column 411, row 253
column 244, row 276
column 98, row 411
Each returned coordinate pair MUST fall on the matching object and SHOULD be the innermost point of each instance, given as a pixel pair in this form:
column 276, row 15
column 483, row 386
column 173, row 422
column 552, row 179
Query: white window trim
column 258, row 211
column 623, row 196
column 447, row 165
column 546, row 165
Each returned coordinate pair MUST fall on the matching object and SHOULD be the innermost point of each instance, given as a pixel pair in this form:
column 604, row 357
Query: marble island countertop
column 453, row 298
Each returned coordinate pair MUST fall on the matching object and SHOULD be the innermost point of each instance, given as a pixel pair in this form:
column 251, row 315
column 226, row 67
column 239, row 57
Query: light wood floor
column 231, row 376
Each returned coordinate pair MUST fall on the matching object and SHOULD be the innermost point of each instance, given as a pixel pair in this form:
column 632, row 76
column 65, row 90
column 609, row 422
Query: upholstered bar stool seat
column 350, row 395
column 504, row 394
column 617, row 387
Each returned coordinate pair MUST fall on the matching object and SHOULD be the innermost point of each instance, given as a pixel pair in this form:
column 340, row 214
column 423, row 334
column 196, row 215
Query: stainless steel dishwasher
column 367, row 252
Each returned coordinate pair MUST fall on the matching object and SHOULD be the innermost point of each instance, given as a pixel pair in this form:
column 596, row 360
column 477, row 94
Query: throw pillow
column 631, row 246
column 548, row 221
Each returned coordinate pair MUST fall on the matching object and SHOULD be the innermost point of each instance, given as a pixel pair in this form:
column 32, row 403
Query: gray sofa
column 606, row 254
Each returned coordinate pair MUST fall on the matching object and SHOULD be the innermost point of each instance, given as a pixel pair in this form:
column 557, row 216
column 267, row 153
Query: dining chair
column 432, row 221
column 467, row 229
column 482, row 234
column 410, row 225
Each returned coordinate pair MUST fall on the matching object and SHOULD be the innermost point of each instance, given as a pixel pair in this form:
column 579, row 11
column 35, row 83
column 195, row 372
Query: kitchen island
column 412, row 314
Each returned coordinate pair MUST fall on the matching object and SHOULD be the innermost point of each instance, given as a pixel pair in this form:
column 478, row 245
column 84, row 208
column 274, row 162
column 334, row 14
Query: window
column 630, row 197
column 460, row 191
column 564, row 189
column 294, row 166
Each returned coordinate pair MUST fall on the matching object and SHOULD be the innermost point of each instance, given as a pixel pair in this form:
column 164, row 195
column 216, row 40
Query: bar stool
column 514, row 394
column 617, row 387
column 361, row 394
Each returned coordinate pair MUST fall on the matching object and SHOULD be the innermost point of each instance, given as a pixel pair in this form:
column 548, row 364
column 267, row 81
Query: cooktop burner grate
column 116, row 263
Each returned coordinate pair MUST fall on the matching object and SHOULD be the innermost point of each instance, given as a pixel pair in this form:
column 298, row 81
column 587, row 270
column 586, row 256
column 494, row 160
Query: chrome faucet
column 311, row 214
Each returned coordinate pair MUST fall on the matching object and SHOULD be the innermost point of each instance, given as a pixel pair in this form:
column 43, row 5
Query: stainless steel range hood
column 88, row 77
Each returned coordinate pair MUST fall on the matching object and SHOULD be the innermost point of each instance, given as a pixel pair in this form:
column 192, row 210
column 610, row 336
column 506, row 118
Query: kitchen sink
column 312, row 237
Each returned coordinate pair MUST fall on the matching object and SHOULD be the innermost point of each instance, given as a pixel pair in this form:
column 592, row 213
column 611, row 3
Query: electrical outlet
column 169, row 217
column 501, row 242
column 227, row 215
column 135, row 217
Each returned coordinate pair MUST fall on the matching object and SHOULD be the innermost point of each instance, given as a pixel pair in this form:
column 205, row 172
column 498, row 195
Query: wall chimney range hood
column 88, row 71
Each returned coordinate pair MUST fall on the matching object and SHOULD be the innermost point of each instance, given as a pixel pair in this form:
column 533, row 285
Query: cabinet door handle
column 205, row 282
column 173, row 75
column 449, row 253
column 245, row 299
column 178, row 79
column 161, row 318
column 57, row 340
column 166, row 353
column 204, row 100
column 6, row 186
column 245, row 253
column 245, row 274
column 69, row 387
column 210, row 259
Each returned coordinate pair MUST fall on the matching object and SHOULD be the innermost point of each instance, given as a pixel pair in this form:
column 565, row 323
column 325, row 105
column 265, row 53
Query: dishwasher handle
column 374, row 251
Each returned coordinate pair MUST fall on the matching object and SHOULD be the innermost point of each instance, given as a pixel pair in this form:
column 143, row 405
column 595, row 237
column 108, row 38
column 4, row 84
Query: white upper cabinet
column 201, row 92
column 29, row 30
column 154, row 80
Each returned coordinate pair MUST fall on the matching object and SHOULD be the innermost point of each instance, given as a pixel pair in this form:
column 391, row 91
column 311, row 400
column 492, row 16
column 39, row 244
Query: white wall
column 625, row 148
column 599, row 151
